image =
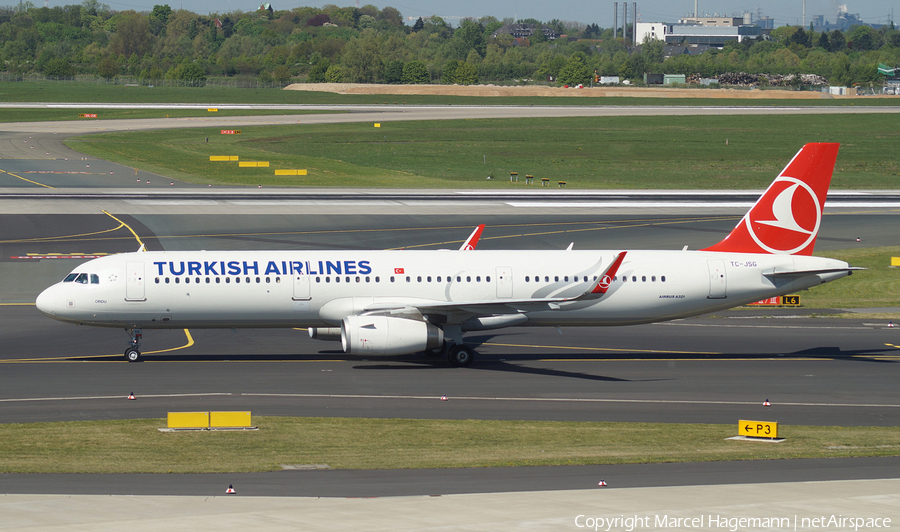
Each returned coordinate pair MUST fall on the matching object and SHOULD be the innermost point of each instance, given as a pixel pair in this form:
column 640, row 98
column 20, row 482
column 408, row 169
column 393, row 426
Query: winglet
column 472, row 241
column 599, row 287
column 603, row 282
column 786, row 218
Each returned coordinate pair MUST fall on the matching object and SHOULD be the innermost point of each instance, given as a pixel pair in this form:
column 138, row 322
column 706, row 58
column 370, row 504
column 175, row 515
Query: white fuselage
column 230, row 289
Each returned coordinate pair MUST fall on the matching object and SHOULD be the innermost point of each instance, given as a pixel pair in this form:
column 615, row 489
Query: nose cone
column 46, row 302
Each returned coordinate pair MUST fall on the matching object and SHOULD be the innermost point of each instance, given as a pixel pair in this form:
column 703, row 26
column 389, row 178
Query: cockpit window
column 82, row 278
column 69, row 278
column 95, row 279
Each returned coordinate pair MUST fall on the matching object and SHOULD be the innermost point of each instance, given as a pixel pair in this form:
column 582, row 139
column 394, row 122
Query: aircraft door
column 717, row 280
column 504, row 282
column 301, row 287
column 134, row 281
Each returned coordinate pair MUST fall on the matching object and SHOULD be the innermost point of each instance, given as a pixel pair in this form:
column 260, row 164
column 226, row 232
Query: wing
column 501, row 312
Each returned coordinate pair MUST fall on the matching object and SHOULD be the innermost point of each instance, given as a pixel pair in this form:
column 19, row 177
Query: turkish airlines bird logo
column 605, row 282
column 790, row 221
column 468, row 247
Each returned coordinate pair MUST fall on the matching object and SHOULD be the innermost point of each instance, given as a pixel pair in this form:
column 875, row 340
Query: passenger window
column 357, row 278
column 419, row 279
column 643, row 278
column 546, row 278
column 438, row 278
column 69, row 278
column 268, row 280
column 653, row 279
column 367, row 278
column 167, row 280
column 327, row 279
column 663, row 278
column 556, row 278
column 237, row 279
column 228, row 280
column 177, row 280
column 428, row 278
column 407, row 278
column 278, row 279
column 377, row 279
column 207, row 280
column 526, row 278
column 318, row 279
column 468, row 278
column 157, row 280
column 478, row 279
column 566, row 278
column 487, row 279
column 247, row 279
column 458, row 279
column 257, row 280
column 634, row 278
column 187, row 280
column 218, row 280
column 392, row 278
column 197, row 280
column 95, row 279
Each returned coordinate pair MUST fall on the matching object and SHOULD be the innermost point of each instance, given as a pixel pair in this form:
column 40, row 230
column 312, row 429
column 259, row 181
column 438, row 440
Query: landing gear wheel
column 461, row 356
column 132, row 354
column 438, row 351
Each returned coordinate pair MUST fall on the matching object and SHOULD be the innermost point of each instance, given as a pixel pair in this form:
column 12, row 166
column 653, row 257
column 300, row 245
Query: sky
column 601, row 13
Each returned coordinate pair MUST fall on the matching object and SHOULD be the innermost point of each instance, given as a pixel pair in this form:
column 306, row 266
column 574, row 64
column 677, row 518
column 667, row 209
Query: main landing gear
column 460, row 355
column 133, row 353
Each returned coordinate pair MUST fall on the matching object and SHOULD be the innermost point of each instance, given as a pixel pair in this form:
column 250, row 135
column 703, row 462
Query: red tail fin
column 786, row 218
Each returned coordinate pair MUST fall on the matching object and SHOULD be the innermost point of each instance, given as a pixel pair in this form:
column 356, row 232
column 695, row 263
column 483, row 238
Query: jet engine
column 384, row 335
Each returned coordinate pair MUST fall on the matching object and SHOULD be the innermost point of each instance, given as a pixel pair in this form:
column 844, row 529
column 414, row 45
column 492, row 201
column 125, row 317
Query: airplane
column 398, row 302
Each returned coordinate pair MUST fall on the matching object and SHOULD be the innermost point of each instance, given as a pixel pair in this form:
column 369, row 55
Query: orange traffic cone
column 890, row 324
column 767, row 403
column 131, row 397
column 443, row 398
column 230, row 490
column 602, row 483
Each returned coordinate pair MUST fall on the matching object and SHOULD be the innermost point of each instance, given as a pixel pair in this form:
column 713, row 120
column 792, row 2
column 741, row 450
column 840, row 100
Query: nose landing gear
column 133, row 353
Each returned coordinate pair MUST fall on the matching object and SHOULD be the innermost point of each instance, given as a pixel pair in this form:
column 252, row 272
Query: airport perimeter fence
column 233, row 82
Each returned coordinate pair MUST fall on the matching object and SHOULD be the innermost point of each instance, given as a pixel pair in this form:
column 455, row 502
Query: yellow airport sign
column 377, row 124
column 223, row 157
column 758, row 429
column 253, row 164
column 290, row 172
column 895, row 261
column 790, row 301
column 229, row 419
column 188, row 420
column 212, row 110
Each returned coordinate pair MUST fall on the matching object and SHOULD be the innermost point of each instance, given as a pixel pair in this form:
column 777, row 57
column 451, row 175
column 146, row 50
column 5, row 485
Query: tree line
column 371, row 45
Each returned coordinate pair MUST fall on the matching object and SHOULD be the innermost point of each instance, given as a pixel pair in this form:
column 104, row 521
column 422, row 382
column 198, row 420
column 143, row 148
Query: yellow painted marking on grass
column 29, row 180
column 126, row 225
column 187, row 334
column 605, row 349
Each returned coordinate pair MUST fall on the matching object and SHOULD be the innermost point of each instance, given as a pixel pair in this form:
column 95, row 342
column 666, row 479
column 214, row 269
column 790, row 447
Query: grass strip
column 43, row 115
column 586, row 152
column 52, row 91
column 136, row 446
column 878, row 286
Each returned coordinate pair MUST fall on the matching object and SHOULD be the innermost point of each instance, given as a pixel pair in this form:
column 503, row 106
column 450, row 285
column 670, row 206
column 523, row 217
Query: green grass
column 609, row 152
column 135, row 446
column 879, row 286
column 42, row 115
column 83, row 92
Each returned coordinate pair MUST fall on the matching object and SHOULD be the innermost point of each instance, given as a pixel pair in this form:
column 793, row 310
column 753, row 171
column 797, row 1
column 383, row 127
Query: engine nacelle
column 332, row 334
column 384, row 335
